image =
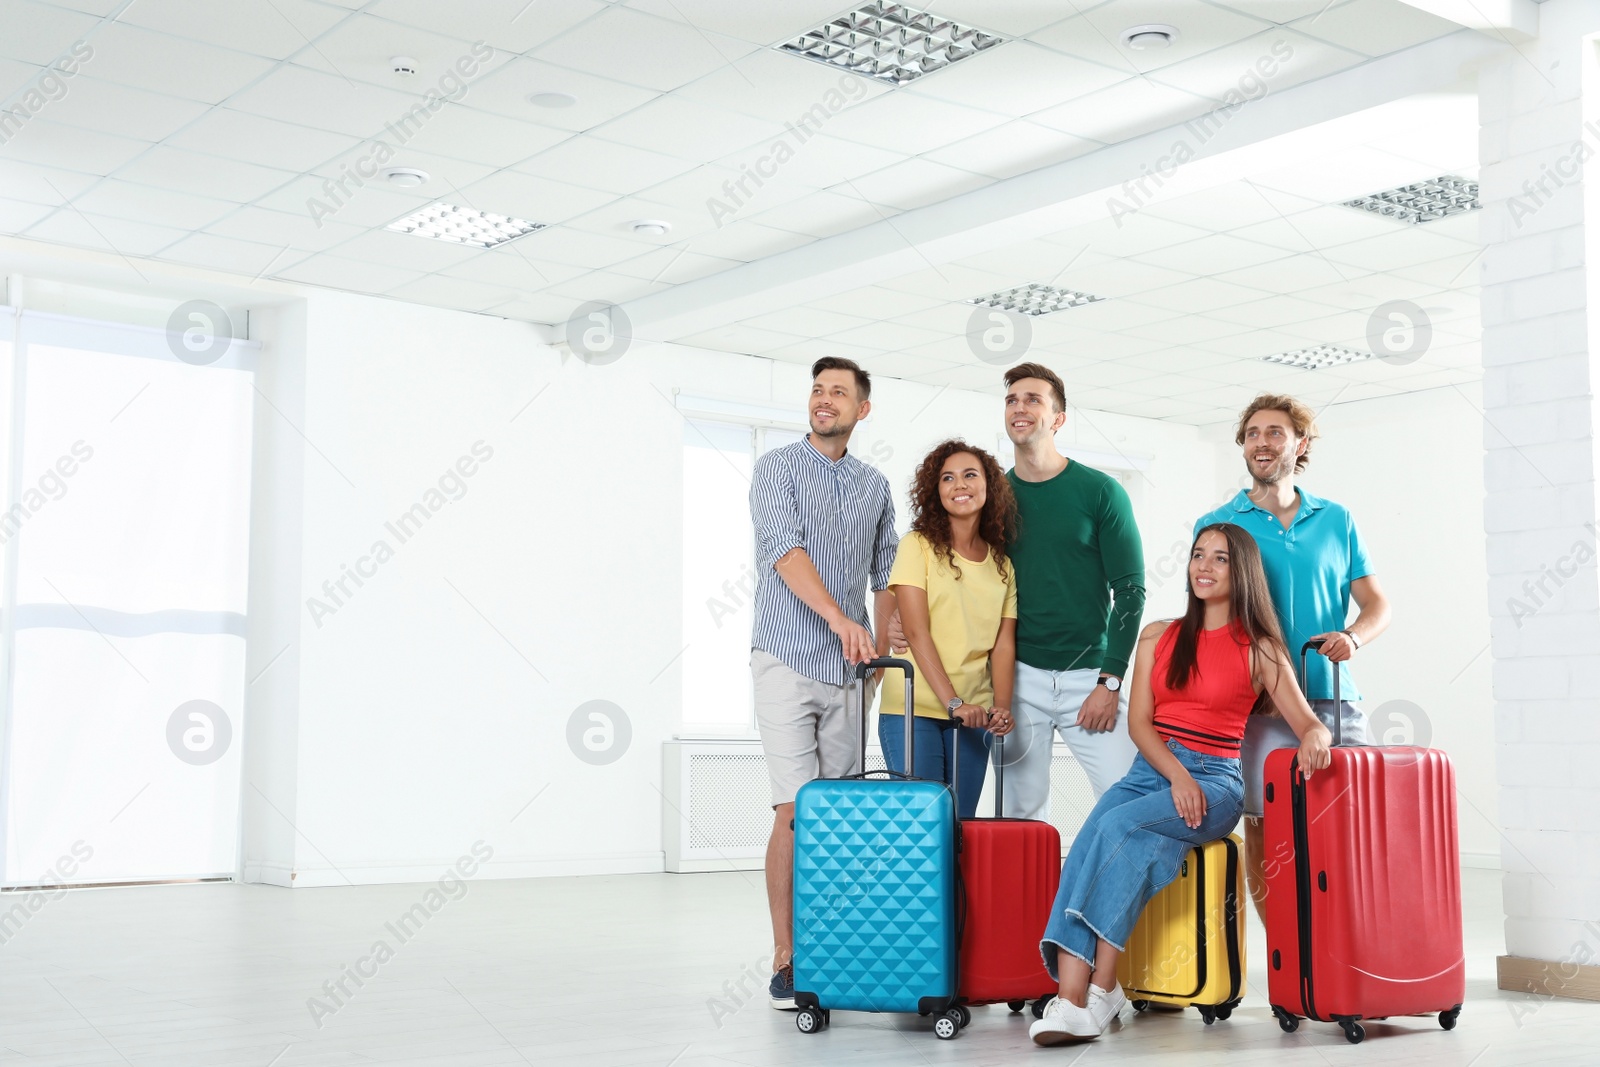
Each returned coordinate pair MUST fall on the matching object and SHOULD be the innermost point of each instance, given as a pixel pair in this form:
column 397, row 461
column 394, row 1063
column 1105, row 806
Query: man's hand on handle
column 1336, row 645
column 856, row 641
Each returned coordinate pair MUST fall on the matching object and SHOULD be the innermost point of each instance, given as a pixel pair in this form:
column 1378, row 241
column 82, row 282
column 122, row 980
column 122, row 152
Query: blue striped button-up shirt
column 842, row 514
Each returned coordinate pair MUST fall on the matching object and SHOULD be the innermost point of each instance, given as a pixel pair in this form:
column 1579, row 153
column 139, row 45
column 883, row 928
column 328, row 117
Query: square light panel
column 464, row 225
column 1422, row 201
column 1317, row 357
column 1035, row 299
column 890, row 42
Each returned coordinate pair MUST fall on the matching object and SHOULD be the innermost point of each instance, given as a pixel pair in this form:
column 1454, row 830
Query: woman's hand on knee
column 1189, row 799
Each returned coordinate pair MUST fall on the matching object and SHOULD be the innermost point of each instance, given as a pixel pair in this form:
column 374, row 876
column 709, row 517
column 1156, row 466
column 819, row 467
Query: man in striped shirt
column 824, row 524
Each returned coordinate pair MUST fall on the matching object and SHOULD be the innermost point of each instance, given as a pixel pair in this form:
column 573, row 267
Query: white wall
column 431, row 706
column 1410, row 469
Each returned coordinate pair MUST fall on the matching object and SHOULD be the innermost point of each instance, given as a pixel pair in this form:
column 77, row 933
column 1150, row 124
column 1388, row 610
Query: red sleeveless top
column 1210, row 712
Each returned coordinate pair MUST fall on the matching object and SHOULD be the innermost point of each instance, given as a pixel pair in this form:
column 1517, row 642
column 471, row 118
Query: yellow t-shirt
column 964, row 617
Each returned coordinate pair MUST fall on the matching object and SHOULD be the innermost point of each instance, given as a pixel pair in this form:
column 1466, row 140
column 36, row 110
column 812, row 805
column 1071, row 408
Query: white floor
column 593, row 972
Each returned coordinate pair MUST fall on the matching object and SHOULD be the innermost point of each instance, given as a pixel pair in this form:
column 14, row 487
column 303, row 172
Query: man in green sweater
column 1080, row 595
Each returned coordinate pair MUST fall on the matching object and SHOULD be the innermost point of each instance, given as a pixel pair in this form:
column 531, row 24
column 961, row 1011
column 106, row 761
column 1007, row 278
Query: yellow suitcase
column 1188, row 946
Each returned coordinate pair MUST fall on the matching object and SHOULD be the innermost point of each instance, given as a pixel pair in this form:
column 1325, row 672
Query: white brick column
column 1540, row 435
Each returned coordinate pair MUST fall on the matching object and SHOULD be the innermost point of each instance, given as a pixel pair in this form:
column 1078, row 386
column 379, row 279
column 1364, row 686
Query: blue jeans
column 936, row 741
column 1132, row 845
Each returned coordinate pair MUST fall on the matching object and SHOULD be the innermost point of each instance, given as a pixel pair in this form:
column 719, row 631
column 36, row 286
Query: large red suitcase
column 1011, row 869
column 1363, row 877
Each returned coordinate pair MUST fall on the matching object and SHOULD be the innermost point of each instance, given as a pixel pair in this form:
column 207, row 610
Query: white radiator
column 716, row 810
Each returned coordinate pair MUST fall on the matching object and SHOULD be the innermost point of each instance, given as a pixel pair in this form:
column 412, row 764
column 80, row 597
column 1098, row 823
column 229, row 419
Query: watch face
column 1112, row 684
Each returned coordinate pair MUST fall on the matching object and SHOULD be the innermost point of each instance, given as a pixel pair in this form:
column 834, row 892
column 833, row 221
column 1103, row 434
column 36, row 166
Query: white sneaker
column 1064, row 1022
column 1106, row 1005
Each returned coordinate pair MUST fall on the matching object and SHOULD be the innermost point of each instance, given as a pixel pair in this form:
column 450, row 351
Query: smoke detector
column 1148, row 36
column 406, row 177
column 404, row 66
column 552, row 99
column 650, row 227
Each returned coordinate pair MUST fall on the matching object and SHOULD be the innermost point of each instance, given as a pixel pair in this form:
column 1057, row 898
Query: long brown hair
column 997, row 522
column 1250, row 607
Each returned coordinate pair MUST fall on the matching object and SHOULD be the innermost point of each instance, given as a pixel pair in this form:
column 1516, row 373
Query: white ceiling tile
column 763, row 24
column 40, row 185
column 820, row 214
column 905, row 122
column 781, row 88
column 1126, row 235
column 1228, row 207
column 1018, row 78
column 1200, row 294
column 678, row 127
column 747, row 241
column 537, row 307
column 509, row 268
column 1247, row 70
column 911, row 184
column 1317, row 229
column 15, row 76
column 673, row 266
column 820, row 162
column 203, row 175
column 307, row 97
column 1102, row 399
column 1273, row 312
column 18, row 215
column 125, row 237
column 1097, row 33
column 1446, row 273
column 42, row 33
column 249, row 258
column 599, row 164
column 505, row 91
column 740, row 338
column 281, row 228
column 1115, row 315
column 447, row 175
column 559, row 244
column 643, row 50
column 886, row 336
column 170, row 65
column 607, row 286
column 1035, row 261
column 946, row 282
column 352, row 275
column 1212, row 254
column 874, row 301
column 1009, row 18
column 951, row 319
column 1186, row 330
column 144, row 203
column 483, row 138
column 1165, row 408
column 812, row 349
column 1176, row 359
column 616, row 218
column 367, row 205
column 50, row 144
column 254, row 139
column 360, row 49
column 807, row 321
column 1287, row 275
column 528, row 197
column 1111, row 278
column 110, row 108
column 1012, row 149
column 905, row 365
column 1404, row 247
column 1374, row 27
column 1277, row 11
column 407, row 251
column 1133, row 107
column 278, row 31
column 441, row 291
column 512, row 25
column 1351, row 172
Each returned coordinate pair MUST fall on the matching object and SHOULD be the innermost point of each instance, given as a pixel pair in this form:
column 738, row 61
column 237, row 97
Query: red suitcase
column 1363, row 877
column 1011, row 869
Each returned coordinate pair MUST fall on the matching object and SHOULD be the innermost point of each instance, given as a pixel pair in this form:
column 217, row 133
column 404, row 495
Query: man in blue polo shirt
column 1316, row 564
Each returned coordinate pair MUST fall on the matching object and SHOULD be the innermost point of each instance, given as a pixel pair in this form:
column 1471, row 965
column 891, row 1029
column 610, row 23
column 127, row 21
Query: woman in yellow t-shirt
column 957, row 597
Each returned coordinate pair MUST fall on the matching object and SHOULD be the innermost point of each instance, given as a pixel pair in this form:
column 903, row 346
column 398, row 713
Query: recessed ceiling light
column 890, row 42
column 406, row 177
column 1422, row 201
column 404, row 66
column 464, row 225
column 1035, row 299
column 552, row 99
column 650, row 227
column 1152, row 35
column 1317, row 357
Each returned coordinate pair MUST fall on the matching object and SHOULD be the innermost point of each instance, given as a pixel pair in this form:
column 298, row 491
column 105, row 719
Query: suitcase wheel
column 811, row 1020
column 948, row 1025
column 1140, row 1005
column 1353, row 1031
column 1038, row 1007
column 966, row 1015
column 1018, row 1005
column 1288, row 1023
column 1447, row 1019
column 1224, row 1011
column 1208, row 1015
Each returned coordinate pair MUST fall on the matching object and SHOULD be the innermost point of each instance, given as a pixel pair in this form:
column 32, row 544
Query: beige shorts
column 809, row 729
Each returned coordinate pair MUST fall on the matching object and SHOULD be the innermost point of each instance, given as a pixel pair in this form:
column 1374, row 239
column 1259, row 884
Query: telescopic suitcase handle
column 1305, row 687
column 890, row 663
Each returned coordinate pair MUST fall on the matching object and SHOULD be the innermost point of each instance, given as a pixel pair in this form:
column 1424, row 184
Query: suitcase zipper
column 1230, row 907
column 1302, row 882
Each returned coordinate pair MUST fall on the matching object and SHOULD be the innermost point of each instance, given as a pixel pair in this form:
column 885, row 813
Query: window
column 126, row 539
column 719, row 570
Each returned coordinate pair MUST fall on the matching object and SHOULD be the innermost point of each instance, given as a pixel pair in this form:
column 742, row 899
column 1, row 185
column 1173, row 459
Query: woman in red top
column 1195, row 680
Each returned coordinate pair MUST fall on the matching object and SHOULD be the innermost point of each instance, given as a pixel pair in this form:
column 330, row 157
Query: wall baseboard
column 554, row 867
column 1547, row 978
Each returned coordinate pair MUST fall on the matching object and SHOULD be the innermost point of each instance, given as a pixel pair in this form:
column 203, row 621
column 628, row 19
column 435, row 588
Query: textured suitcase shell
column 1188, row 946
column 1012, row 868
column 1363, row 885
column 875, row 895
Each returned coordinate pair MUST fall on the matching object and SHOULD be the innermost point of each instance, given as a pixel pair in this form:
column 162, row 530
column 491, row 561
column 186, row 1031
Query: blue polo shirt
column 1309, row 569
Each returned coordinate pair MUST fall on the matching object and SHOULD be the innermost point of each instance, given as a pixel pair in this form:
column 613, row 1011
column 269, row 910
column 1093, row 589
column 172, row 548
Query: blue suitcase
column 876, row 891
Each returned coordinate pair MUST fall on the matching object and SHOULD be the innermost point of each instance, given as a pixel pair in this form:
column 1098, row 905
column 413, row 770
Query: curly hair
column 997, row 522
column 1301, row 417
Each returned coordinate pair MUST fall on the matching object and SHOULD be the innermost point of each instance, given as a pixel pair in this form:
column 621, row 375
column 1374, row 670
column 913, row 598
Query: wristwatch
column 955, row 702
column 1351, row 634
column 1110, row 681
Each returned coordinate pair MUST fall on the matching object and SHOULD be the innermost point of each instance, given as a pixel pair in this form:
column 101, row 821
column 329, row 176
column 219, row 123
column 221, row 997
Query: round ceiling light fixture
column 1151, row 35
column 405, row 177
column 552, row 99
column 650, row 227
